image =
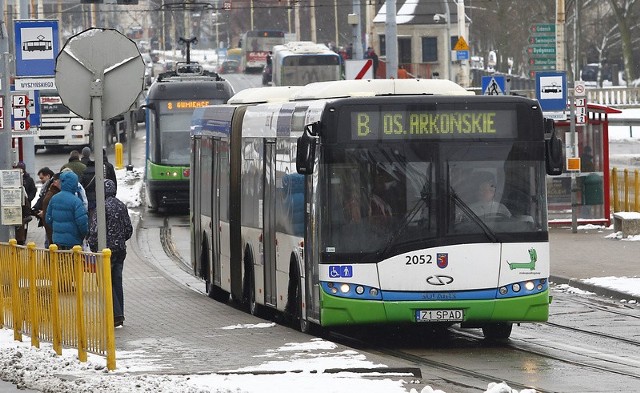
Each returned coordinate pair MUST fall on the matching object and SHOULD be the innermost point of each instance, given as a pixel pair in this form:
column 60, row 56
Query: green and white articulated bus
column 355, row 202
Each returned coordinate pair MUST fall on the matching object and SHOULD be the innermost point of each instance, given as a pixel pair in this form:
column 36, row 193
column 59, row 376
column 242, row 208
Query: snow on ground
column 41, row 369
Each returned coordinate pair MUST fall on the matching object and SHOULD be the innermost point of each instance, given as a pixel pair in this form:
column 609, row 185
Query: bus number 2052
column 418, row 259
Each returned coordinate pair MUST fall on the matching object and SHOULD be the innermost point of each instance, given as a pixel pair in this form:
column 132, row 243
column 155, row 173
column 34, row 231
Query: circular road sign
column 99, row 54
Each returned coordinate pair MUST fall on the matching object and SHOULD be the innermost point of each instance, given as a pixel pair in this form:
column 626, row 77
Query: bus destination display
column 395, row 124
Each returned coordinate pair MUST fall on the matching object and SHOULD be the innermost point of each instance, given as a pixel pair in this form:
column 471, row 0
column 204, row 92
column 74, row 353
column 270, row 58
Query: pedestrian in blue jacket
column 66, row 214
column 119, row 230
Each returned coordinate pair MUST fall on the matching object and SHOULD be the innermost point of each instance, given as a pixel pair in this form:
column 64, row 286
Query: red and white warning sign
column 358, row 69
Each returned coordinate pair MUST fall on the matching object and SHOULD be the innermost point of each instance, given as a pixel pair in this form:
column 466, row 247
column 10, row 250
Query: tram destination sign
column 398, row 124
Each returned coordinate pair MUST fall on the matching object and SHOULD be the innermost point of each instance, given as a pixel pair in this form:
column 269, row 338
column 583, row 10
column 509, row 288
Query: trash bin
column 592, row 190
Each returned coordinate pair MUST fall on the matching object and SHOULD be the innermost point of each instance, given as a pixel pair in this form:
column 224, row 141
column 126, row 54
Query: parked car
column 229, row 66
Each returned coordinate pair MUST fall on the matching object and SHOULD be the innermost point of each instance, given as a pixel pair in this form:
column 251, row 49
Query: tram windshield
column 175, row 128
column 393, row 197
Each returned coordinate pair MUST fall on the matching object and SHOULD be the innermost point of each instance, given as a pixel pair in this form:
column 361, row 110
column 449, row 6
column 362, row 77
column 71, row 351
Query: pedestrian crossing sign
column 494, row 85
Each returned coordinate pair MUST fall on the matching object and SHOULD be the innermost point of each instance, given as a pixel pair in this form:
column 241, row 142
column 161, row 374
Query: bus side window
column 293, row 192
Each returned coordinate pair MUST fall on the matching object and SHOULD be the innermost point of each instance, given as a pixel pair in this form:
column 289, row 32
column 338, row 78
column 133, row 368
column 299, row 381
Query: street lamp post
column 447, row 18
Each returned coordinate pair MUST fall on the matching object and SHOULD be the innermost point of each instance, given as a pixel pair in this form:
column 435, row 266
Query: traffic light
column 127, row 2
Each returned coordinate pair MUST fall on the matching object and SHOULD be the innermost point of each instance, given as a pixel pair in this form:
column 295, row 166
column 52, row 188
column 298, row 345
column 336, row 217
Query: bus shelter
column 593, row 179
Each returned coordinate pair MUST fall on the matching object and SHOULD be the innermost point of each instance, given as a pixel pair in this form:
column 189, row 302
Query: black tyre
column 497, row 331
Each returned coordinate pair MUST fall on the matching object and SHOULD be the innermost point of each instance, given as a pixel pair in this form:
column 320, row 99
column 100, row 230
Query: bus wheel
column 497, row 331
column 254, row 307
column 214, row 292
column 295, row 308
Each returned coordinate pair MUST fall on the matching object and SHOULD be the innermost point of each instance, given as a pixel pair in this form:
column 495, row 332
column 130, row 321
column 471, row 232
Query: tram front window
column 174, row 139
column 378, row 198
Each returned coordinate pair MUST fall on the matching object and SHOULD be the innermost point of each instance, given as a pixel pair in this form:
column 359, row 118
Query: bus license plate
column 439, row 315
column 50, row 141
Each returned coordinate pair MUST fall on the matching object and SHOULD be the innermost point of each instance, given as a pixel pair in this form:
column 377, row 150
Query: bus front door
column 215, row 213
column 269, row 223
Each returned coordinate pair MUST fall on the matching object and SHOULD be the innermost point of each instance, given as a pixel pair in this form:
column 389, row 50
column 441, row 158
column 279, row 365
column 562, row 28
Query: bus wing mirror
column 306, row 150
column 553, row 149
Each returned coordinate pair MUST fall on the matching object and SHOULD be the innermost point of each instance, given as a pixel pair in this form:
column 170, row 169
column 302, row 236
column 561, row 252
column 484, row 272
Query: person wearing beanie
column 86, row 155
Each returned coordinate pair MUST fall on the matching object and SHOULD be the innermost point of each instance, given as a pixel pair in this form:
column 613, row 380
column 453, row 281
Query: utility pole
column 560, row 36
column 462, row 32
column 312, row 10
column 6, row 232
column 357, row 32
column 391, row 40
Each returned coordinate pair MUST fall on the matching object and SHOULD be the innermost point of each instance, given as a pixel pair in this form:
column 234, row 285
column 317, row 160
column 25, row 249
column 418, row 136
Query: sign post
column 99, row 75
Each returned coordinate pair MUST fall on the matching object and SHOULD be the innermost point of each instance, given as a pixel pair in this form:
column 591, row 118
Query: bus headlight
column 344, row 288
column 76, row 127
column 529, row 285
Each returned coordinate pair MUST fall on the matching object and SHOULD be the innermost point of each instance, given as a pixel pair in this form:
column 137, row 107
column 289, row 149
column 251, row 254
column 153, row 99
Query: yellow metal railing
column 59, row 296
column 625, row 191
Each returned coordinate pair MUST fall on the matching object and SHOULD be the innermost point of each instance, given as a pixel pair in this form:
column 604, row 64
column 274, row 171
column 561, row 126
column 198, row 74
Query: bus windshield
column 387, row 197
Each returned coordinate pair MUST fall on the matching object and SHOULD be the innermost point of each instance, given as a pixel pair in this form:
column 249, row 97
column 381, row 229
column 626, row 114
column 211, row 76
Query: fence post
column 614, row 184
column 78, row 268
column 54, row 268
column 33, row 297
column 626, row 190
column 636, row 196
column 15, row 291
column 108, row 312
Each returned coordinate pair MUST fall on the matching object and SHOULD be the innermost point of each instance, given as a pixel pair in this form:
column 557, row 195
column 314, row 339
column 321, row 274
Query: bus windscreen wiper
column 474, row 217
column 424, row 197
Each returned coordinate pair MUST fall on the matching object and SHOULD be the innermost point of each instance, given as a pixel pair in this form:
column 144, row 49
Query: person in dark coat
column 53, row 189
column 28, row 182
column 86, row 155
column 109, row 170
column 30, row 191
column 119, row 230
column 45, row 175
column 74, row 164
column 88, row 181
column 66, row 214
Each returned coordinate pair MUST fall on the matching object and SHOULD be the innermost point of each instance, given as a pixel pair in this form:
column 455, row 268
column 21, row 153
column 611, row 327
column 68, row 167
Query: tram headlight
column 344, row 288
column 503, row 290
column 529, row 285
column 516, row 287
column 373, row 292
column 359, row 289
column 334, row 290
column 76, row 127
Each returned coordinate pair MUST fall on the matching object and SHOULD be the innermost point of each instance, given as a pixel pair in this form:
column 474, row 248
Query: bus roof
column 377, row 87
column 258, row 95
column 303, row 47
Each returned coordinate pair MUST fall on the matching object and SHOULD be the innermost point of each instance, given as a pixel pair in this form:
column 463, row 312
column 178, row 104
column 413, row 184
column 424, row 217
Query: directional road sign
column 542, row 28
column 541, row 50
column 542, row 40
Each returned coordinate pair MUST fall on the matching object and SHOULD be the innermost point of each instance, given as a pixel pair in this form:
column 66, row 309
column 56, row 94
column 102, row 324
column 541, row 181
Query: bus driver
column 486, row 205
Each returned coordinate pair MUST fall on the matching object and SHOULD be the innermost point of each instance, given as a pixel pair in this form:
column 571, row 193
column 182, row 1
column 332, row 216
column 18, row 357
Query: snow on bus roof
column 257, row 95
column 376, row 87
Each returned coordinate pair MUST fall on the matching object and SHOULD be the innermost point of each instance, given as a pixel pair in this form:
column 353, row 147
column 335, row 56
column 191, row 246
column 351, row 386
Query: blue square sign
column 37, row 45
column 551, row 91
